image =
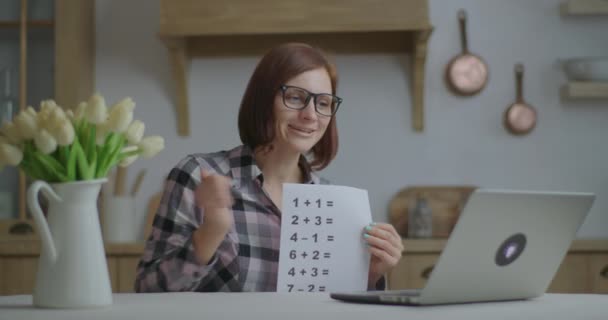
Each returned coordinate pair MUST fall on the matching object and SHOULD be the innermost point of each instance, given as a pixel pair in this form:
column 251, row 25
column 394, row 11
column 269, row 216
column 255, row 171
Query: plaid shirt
column 248, row 257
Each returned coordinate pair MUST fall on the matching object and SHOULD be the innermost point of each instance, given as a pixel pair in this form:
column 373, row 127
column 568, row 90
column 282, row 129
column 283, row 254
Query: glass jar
column 420, row 219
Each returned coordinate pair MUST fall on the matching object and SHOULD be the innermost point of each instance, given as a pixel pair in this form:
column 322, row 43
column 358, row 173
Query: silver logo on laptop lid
column 510, row 249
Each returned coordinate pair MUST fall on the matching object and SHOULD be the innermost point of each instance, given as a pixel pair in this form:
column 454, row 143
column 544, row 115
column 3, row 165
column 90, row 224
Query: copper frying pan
column 467, row 73
column 520, row 118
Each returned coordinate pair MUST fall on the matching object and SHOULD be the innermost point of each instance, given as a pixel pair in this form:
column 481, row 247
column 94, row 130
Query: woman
column 219, row 222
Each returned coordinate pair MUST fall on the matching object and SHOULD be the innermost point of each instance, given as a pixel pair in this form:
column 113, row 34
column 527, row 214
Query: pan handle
column 462, row 18
column 519, row 76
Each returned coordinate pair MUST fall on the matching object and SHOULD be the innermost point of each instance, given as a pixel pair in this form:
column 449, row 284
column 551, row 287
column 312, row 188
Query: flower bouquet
column 69, row 153
column 55, row 146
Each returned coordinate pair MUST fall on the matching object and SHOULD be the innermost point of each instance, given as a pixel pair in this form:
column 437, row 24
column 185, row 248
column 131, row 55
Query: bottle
column 7, row 102
column 420, row 219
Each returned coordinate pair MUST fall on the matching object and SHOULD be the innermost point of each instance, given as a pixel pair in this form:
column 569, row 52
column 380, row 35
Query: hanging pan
column 467, row 73
column 520, row 118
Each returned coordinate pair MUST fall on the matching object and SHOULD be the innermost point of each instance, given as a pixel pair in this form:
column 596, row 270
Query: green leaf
column 92, row 168
column 115, row 146
column 47, row 167
column 105, row 154
column 81, row 160
column 90, row 144
column 52, row 162
column 64, row 153
column 116, row 153
column 125, row 155
column 71, row 164
column 29, row 171
column 82, row 132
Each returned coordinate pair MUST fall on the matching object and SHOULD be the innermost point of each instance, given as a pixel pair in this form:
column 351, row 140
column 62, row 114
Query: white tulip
column 70, row 115
column 26, row 124
column 58, row 115
column 47, row 108
column 10, row 154
column 45, row 142
column 52, row 125
column 80, row 111
column 64, row 133
column 49, row 103
column 100, row 134
column 128, row 160
column 135, row 132
column 121, row 115
column 96, row 111
column 150, row 146
column 31, row 111
column 11, row 132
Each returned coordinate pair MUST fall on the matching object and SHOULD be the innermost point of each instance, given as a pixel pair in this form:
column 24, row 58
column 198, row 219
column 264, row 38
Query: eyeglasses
column 297, row 98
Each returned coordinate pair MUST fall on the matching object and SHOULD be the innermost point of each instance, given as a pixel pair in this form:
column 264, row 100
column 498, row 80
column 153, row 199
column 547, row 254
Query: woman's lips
column 302, row 130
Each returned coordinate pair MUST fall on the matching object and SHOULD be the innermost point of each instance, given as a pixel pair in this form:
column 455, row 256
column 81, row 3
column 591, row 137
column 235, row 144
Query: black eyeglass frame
column 338, row 100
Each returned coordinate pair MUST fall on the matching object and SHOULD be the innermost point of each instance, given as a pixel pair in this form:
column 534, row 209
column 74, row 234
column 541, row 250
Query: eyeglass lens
column 295, row 98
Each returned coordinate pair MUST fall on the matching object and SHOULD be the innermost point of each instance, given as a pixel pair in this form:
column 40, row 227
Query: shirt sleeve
column 169, row 262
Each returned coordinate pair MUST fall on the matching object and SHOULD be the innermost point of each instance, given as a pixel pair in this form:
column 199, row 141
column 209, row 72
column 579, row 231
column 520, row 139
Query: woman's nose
column 309, row 112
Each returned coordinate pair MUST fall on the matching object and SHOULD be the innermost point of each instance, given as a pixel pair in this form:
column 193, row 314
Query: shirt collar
column 243, row 167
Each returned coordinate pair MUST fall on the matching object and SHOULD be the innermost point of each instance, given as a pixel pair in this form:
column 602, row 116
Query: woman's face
column 300, row 130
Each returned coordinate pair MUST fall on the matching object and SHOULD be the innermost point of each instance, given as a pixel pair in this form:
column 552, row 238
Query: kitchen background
column 464, row 142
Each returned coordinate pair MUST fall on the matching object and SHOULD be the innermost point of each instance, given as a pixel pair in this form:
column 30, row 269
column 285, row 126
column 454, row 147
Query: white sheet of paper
column 322, row 246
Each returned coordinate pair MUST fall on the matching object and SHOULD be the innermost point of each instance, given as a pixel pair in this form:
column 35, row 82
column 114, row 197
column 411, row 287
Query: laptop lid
column 506, row 245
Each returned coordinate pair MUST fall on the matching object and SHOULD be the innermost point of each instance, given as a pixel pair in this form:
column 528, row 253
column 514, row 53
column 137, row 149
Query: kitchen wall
column 463, row 141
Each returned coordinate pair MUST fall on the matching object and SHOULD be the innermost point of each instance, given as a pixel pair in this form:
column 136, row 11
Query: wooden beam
column 584, row 7
column 74, row 51
column 207, row 17
column 585, row 90
column 180, row 64
column 417, row 79
column 334, row 43
column 23, row 99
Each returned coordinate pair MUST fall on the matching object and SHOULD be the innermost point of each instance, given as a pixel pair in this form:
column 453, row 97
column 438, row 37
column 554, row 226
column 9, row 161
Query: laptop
column 506, row 245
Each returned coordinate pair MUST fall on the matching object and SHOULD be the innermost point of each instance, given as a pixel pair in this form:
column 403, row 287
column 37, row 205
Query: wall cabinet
column 19, row 264
column 584, row 270
column 52, row 56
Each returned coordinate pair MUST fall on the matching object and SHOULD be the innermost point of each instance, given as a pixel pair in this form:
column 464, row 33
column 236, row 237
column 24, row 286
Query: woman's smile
column 301, row 130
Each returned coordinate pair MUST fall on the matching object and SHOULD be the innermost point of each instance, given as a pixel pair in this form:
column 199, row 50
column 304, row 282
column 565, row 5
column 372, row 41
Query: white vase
column 72, row 269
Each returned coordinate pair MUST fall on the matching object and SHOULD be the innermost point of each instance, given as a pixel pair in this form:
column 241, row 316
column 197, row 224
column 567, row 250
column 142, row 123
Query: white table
column 270, row 306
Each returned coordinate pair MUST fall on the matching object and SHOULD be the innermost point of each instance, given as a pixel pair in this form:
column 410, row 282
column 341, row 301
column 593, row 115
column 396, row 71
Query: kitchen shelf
column 195, row 28
column 585, row 90
column 584, row 7
column 32, row 23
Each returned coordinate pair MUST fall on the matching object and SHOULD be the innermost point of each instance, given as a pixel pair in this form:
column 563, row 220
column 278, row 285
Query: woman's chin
column 301, row 146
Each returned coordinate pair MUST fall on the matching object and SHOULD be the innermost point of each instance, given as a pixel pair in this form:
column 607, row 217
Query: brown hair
column 256, row 116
